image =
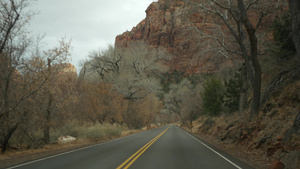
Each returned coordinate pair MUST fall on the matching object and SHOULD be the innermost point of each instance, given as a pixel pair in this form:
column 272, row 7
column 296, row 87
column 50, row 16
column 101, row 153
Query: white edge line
column 232, row 163
column 45, row 158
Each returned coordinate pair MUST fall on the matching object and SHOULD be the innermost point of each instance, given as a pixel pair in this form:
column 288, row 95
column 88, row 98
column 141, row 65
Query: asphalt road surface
column 168, row 147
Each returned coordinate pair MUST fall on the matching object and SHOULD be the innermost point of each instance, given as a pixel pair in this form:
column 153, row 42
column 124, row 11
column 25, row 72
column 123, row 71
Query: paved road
column 168, row 147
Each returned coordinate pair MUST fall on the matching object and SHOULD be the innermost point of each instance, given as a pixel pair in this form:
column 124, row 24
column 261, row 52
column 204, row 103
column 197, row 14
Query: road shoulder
column 226, row 148
column 13, row 158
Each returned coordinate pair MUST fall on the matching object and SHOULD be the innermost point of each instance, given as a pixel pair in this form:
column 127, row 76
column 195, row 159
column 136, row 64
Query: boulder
column 277, row 165
column 66, row 139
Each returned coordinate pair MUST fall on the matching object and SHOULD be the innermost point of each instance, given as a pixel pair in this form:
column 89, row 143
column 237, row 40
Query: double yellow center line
column 136, row 155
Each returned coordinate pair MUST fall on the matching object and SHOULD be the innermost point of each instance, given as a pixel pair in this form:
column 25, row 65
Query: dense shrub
column 233, row 90
column 282, row 33
column 172, row 77
column 212, row 97
column 88, row 131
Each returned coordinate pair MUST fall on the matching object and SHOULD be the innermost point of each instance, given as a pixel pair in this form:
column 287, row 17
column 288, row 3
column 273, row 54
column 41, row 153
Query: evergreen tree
column 233, row 91
column 213, row 97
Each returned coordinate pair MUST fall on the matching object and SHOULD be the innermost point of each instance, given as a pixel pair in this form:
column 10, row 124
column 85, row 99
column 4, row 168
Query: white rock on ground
column 66, row 139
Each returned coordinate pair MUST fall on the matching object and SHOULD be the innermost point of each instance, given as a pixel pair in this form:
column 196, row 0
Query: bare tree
column 14, row 42
column 101, row 103
column 142, row 112
column 173, row 101
column 57, row 91
column 184, row 99
column 191, row 102
column 235, row 16
column 132, row 71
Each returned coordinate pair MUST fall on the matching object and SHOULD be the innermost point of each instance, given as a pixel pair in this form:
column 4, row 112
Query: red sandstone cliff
column 69, row 68
column 176, row 26
column 172, row 25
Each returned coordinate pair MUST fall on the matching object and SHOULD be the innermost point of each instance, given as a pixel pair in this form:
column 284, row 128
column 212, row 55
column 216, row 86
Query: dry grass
column 88, row 131
column 85, row 134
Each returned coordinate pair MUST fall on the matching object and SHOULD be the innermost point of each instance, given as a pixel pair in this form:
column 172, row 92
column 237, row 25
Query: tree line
column 33, row 91
column 39, row 95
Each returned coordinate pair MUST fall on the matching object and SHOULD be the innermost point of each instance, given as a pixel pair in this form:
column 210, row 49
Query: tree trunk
column 46, row 133
column 295, row 16
column 7, row 137
column 48, row 121
column 256, row 79
column 243, row 94
column 257, row 82
column 46, row 130
column 256, row 97
column 242, row 101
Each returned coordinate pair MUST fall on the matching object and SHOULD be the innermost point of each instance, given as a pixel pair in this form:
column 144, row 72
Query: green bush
column 233, row 90
column 212, row 97
column 172, row 77
column 282, row 32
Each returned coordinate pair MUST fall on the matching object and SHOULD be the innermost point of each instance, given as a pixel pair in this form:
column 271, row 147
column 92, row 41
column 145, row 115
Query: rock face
column 277, row 165
column 172, row 25
column 69, row 68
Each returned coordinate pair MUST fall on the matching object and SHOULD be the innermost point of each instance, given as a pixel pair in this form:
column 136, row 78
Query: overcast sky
column 91, row 24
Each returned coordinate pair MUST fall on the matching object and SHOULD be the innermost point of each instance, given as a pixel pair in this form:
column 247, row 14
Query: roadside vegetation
column 119, row 89
column 41, row 96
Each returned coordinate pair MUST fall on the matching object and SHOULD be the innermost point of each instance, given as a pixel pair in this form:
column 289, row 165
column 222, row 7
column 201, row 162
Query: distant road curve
column 168, row 147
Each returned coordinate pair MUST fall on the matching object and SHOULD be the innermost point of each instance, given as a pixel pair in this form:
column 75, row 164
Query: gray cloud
column 91, row 24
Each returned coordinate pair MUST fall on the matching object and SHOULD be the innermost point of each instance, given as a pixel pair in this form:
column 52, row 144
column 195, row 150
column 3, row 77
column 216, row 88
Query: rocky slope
column 274, row 137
